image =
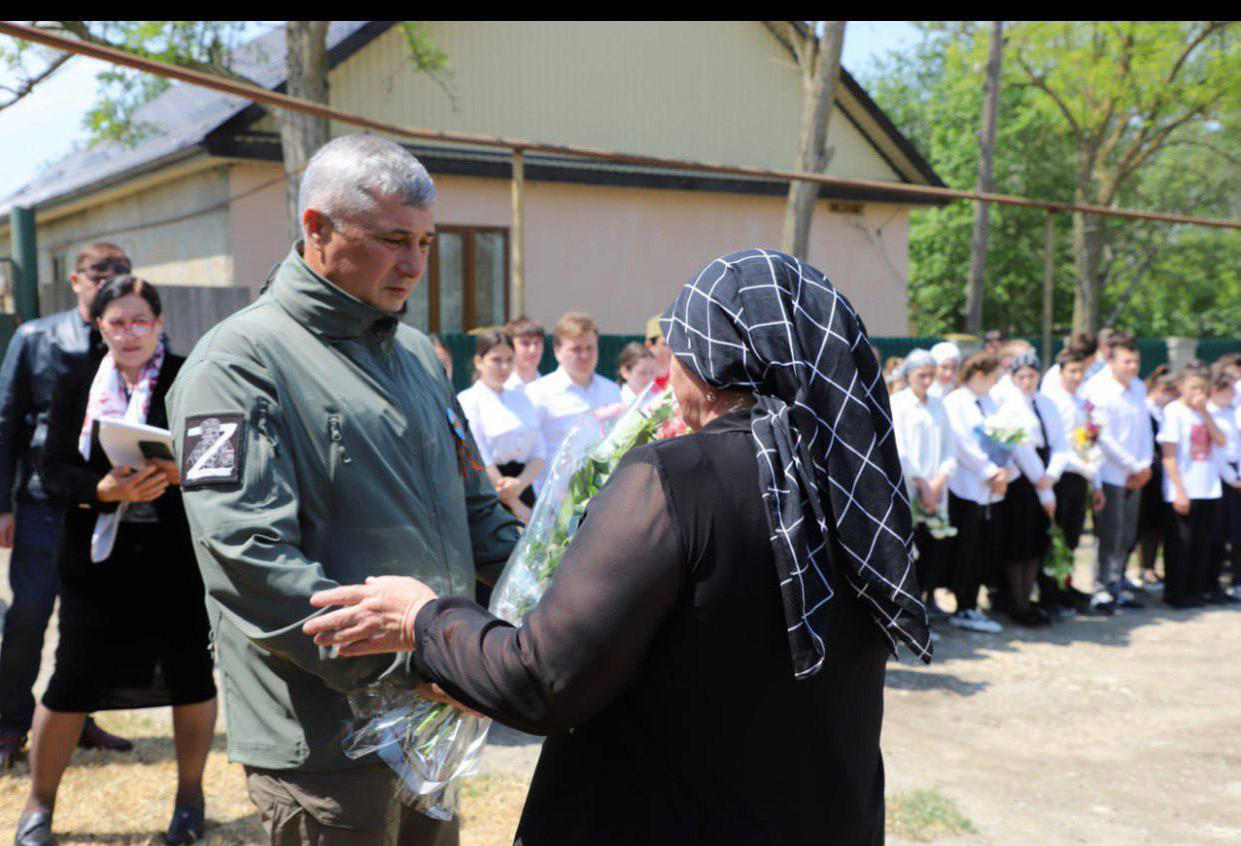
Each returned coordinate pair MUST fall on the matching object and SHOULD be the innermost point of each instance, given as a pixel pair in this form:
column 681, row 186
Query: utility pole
column 986, row 167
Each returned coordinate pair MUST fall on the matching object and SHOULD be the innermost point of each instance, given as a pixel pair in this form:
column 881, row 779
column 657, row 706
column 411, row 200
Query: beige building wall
column 258, row 229
column 621, row 253
column 193, row 251
column 721, row 91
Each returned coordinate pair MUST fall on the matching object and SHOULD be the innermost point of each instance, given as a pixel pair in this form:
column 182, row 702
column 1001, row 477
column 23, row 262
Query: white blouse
column 923, row 439
column 504, row 424
column 1050, row 434
column 1073, row 415
column 966, row 412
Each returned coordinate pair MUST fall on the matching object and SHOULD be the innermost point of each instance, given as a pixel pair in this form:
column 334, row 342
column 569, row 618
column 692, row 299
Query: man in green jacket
column 321, row 443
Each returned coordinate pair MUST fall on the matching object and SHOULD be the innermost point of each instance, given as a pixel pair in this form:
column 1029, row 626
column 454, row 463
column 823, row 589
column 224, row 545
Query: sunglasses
column 108, row 265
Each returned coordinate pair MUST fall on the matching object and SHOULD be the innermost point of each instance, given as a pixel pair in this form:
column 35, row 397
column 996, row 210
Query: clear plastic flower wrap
column 431, row 745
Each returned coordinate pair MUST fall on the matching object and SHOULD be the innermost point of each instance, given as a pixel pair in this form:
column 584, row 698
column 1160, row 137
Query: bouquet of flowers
column 936, row 523
column 1000, row 434
column 430, row 745
column 1086, row 441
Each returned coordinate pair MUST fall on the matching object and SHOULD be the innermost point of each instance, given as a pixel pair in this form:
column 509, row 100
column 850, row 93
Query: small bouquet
column 1000, row 434
column 1059, row 564
column 936, row 523
column 431, row 745
column 1086, row 441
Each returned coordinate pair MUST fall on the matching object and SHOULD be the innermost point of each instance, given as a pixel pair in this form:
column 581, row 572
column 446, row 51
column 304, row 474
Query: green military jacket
column 320, row 443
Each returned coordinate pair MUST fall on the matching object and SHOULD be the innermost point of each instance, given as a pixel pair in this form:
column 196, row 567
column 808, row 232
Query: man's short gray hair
column 349, row 174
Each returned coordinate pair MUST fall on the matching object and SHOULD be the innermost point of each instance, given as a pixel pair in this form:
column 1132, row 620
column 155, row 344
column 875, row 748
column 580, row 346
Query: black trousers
column 1072, row 498
column 1229, row 535
column 931, row 558
column 1187, row 561
column 973, row 549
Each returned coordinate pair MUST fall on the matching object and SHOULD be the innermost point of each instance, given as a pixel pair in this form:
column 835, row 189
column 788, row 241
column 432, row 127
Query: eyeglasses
column 120, row 328
column 99, row 268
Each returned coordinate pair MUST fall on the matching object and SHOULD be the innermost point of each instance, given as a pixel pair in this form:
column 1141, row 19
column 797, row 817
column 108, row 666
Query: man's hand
column 124, row 484
column 6, row 531
column 376, row 617
column 508, row 490
column 1100, row 499
column 1138, row 479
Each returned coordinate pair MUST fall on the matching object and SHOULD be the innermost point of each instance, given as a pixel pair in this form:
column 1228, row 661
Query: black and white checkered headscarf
column 761, row 321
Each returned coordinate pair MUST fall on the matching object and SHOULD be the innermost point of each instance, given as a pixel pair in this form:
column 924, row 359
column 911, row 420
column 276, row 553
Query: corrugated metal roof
column 178, row 119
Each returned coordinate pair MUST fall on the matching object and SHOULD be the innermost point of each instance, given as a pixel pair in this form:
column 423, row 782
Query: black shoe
column 188, row 822
column 1183, row 604
column 35, row 829
column 1219, row 596
column 1027, row 617
column 12, row 744
column 94, row 737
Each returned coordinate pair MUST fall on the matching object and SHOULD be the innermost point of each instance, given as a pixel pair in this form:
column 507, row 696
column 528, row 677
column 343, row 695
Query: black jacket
column 33, row 364
column 72, row 481
column 659, row 665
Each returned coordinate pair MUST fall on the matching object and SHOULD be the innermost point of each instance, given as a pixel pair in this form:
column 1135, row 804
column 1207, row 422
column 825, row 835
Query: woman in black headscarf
column 708, row 661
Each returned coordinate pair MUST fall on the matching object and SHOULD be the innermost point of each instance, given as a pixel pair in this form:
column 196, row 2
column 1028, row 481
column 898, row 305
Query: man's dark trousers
column 32, row 577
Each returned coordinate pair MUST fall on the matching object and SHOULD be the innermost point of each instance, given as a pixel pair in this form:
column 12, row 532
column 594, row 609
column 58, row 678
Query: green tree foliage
column 1156, row 278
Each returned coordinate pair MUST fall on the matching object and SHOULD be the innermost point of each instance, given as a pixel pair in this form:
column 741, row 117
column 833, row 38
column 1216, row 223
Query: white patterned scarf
column 761, row 321
column 109, row 399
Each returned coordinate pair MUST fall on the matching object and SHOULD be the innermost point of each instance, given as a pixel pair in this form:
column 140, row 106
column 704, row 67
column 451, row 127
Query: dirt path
column 1120, row 731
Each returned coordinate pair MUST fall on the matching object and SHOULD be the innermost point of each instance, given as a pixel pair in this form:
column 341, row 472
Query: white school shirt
column 1105, row 381
column 923, row 440
column 1051, row 380
column 1049, row 434
column 1072, row 413
column 966, row 411
column 1124, row 428
column 939, row 390
column 1229, row 458
column 504, row 424
column 514, row 380
column 559, row 401
column 1197, row 456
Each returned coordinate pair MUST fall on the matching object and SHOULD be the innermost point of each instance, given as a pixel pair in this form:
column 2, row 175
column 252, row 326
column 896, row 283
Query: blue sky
column 44, row 126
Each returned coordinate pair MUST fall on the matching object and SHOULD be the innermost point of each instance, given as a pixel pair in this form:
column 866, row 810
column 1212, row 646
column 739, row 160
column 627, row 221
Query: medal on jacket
column 465, row 455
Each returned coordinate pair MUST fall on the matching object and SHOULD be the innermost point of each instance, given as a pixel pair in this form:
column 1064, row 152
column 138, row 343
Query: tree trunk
column 1087, row 245
column 1087, row 253
column 819, row 77
column 986, row 162
column 300, row 134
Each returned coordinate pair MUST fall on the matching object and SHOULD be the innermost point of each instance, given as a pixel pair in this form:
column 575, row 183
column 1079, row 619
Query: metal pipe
column 262, row 95
column 1049, row 271
column 518, row 248
column 25, row 262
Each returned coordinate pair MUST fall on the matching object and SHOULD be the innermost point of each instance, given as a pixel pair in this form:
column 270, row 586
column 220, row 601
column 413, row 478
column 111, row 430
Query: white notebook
column 131, row 444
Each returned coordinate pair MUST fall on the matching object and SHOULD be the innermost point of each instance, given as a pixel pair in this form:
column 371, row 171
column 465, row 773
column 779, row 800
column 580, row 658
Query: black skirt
column 134, row 634
column 1025, row 524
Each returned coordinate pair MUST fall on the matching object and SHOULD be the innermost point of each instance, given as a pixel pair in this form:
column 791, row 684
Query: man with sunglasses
column 29, row 519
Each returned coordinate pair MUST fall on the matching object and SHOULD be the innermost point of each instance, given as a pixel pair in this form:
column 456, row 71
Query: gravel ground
column 1120, row 731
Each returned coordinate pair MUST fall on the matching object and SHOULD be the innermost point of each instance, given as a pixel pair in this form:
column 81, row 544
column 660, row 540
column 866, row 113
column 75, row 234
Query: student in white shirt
column 1160, row 390
column 574, row 388
column 1079, row 476
column 1227, row 532
column 637, row 369
column 1128, row 449
column 947, row 357
column 1030, row 502
column 528, row 337
column 504, row 424
column 1230, row 365
column 1192, row 444
column 976, row 486
column 928, row 457
column 1081, row 342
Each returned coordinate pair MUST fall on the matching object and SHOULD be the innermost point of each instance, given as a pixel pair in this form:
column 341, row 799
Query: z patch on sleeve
column 212, row 450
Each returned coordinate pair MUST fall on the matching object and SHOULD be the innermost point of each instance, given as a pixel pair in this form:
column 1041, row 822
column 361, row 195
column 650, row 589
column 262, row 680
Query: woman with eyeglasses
column 133, row 626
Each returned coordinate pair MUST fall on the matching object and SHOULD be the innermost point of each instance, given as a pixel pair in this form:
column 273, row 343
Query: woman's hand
column 1181, row 504
column 1100, row 499
column 170, row 469
column 124, row 484
column 1045, row 484
column 376, row 617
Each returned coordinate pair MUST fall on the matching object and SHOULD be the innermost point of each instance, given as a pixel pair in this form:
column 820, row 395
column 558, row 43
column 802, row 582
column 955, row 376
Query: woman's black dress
column 133, row 628
column 659, row 664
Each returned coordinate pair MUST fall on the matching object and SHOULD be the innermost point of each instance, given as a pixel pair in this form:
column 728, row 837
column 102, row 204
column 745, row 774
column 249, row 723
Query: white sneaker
column 974, row 620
